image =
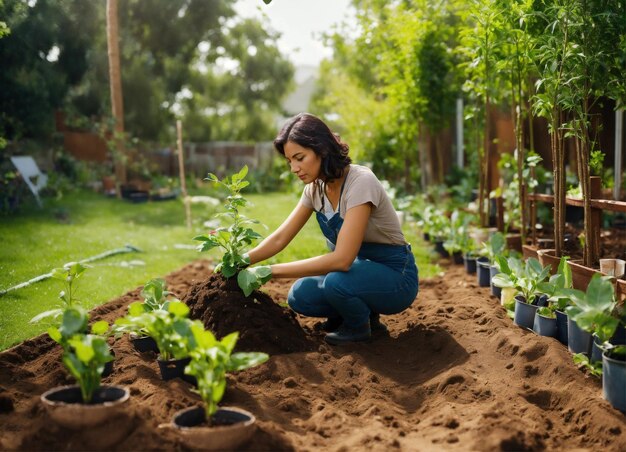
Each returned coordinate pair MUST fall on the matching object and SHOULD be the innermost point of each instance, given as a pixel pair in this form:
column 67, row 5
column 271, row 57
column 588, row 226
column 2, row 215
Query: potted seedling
column 597, row 312
column 524, row 277
column 171, row 330
column 457, row 240
column 84, row 355
column 558, row 299
column 211, row 427
column 235, row 238
column 155, row 295
column 487, row 265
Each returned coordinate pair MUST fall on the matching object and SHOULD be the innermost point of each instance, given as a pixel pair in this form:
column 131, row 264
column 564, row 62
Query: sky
column 301, row 23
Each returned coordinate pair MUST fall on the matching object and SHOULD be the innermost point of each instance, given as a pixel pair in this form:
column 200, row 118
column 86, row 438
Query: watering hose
column 124, row 249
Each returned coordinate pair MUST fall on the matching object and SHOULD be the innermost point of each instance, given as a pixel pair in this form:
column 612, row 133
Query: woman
column 370, row 269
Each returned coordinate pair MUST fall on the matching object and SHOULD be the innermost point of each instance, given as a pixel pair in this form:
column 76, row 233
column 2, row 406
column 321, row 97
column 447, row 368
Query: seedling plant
column 170, row 328
column 67, row 274
column 211, row 360
column 235, row 238
column 84, row 355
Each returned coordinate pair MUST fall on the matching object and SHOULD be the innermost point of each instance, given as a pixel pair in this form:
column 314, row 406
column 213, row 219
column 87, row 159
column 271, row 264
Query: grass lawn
column 84, row 224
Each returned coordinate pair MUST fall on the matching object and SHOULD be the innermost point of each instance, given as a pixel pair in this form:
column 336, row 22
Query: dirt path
column 454, row 373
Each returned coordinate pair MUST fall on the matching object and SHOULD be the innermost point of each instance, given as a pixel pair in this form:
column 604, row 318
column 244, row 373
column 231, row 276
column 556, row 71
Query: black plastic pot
column 482, row 272
column 175, row 368
column 619, row 338
column 541, row 301
column 578, row 340
column 544, row 326
column 614, row 380
column 470, row 264
column 440, row 249
column 108, row 367
column 457, row 257
column 524, row 313
column 144, row 344
column 561, row 327
column 495, row 291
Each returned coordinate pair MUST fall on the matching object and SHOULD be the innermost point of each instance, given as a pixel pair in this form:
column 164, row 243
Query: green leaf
column 245, row 360
column 100, row 327
column 136, row 308
column 55, row 334
column 230, row 341
column 179, row 309
column 74, row 321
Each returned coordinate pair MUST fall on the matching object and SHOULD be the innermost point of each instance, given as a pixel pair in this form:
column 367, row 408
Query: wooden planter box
column 529, row 251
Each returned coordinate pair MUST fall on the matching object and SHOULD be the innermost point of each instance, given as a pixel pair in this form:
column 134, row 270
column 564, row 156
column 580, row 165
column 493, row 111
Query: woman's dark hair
column 311, row 132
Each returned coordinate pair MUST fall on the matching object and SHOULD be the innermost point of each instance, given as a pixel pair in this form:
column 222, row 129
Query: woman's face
column 303, row 162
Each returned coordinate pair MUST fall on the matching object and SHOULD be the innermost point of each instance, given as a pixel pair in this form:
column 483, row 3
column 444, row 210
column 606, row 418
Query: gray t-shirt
column 361, row 187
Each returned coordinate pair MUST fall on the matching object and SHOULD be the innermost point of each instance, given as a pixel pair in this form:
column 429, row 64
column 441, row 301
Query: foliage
column 170, row 328
column 594, row 310
column 178, row 57
column 459, row 239
column 84, row 355
column 509, row 188
column 211, row 360
column 235, row 238
column 556, row 289
column 68, row 274
column 495, row 246
column 524, row 277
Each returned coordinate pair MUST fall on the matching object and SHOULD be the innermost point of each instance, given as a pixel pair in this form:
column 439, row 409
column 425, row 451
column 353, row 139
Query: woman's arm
column 348, row 245
column 281, row 237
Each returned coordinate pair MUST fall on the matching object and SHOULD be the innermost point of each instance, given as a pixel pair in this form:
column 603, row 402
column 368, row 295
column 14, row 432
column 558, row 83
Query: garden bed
column 454, row 373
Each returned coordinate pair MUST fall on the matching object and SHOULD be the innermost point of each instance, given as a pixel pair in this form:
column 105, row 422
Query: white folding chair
column 34, row 178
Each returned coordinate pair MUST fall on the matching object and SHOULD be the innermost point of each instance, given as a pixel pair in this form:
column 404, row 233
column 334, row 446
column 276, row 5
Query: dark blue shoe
column 346, row 335
column 329, row 325
column 376, row 325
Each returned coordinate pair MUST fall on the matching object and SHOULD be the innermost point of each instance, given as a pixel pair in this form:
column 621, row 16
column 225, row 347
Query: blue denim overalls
column 382, row 279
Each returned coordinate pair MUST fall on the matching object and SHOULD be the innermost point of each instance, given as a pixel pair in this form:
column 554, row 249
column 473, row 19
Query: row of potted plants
column 185, row 350
column 591, row 323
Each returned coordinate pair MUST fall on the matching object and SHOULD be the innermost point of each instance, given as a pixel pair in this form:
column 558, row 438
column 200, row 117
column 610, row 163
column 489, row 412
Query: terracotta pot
column 232, row 427
column 581, row 275
column 514, row 242
column 529, row 251
column 547, row 257
column 65, row 405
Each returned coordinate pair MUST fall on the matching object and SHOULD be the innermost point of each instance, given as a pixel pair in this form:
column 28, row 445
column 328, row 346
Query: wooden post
column 596, row 219
column 181, row 172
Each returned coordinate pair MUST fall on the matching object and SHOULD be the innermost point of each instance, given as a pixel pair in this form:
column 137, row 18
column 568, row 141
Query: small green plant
column 211, row 360
column 556, row 290
column 84, row 355
column 495, row 246
column 68, row 274
column 595, row 310
column 170, row 328
column 458, row 238
column 235, row 239
column 596, row 163
column 155, row 298
column 155, row 295
column 524, row 277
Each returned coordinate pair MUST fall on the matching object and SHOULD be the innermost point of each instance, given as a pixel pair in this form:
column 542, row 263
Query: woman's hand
column 251, row 278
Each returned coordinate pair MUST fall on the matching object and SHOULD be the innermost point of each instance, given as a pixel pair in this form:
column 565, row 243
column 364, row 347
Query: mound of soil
column 263, row 325
column 453, row 374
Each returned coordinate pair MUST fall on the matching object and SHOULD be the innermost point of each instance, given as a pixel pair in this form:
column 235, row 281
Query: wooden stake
column 181, row 171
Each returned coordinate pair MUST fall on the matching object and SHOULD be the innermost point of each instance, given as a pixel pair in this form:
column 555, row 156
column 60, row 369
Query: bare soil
column 453, row 374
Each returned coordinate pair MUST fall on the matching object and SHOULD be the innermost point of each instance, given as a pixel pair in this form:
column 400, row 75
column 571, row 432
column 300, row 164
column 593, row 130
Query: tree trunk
column 115, row 83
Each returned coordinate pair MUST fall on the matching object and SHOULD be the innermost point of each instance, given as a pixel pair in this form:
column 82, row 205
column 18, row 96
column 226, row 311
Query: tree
column 115, row 83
